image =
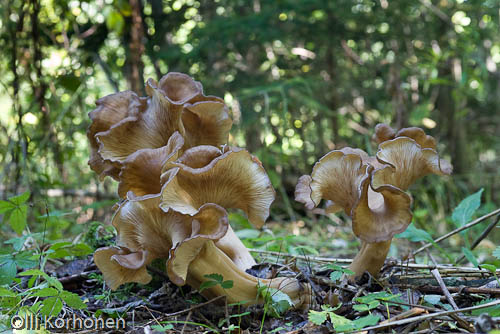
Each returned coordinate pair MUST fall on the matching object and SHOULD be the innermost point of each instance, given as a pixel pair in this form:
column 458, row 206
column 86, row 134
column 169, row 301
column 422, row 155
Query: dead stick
column 389, row 264
column 481, row 237
column 454, row 289
column 427, row 316
column 466, row 226
column 439, row 279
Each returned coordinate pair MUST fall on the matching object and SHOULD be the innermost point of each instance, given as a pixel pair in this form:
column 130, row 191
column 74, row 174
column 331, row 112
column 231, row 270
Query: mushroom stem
column 371, row 258
column 232, row 246
column 212, row 260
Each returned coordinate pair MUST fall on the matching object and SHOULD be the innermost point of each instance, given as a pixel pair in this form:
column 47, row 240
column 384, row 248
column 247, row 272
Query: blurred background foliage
column 301, row 78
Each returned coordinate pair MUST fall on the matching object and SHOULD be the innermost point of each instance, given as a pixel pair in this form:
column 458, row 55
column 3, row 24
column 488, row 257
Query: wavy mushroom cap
column 110, row 110
column 141, row 171
column 335, row 177
column 406, row 161
column 119, row 266
column 146, row 233
column 231, row 178
column 123, row 123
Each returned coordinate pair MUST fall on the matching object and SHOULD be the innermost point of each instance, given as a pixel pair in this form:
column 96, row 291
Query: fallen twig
column 426, row 316
column 481, row 237
column 460, row 289
column 460, row 229
column 444, row 289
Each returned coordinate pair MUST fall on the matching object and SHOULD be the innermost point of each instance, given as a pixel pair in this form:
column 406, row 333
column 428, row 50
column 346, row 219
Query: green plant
column 213, row 280
column 340, row 323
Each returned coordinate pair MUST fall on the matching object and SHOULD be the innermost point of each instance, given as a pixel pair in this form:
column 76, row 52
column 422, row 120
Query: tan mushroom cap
column 110, row 110
column 146, row 232
column 383, row 132
column 381, row 214
column 335, row 177
column 419, row 136
column 406, row 161
column 119, row 266
column 231, row 178
column 141, row 170
column 206, row 123
column 187, row 246
column 123, row 123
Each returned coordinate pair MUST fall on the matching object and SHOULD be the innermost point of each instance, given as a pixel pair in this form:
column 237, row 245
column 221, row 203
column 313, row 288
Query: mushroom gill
column 372, row 190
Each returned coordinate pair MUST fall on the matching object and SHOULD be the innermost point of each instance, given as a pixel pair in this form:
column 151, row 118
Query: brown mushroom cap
column 381, row 214
column 110, row 110
column 145, row 233
column 231, row 178
column 206, row 123
column 141, row 170
column 124, row 123
column 119, row 266
column 335, row 177
column 406, row 161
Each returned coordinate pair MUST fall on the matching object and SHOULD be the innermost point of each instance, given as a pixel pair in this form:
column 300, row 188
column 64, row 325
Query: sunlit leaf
column 466, row 209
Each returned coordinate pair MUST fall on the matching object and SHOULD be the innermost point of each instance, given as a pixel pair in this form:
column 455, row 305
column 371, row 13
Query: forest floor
column 405, row 298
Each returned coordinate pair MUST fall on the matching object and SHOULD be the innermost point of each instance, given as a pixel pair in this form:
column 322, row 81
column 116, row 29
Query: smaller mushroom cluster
column 176, row 179
column 372, row 189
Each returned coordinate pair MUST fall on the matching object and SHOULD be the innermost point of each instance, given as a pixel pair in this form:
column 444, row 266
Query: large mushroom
column 191, row 230
column 124, row 123
column 145, row 233
column 372, row 190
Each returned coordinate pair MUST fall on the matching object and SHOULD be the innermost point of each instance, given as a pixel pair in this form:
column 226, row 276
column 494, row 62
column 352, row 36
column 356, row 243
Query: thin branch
column 458, row 230
column 427, row 316
column 482, row 236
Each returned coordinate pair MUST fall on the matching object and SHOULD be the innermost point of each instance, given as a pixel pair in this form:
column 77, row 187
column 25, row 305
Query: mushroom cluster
column 176, row 179
column 372, row 189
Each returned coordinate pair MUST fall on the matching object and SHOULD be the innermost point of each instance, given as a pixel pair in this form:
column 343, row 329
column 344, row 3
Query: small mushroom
column 124, row 123
column 371, row 190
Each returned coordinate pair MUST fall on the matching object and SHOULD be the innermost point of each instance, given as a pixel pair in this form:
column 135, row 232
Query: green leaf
column 115, row 21
column 161, row 328
column 470, row 256
column 8, row 271
column 493, row 311
column 432, row 299
column 489, row 267
column 317, row 317
column 54, row 282
column 33, row 272
column 7, row 293
column 26, row 260
column 496, row 252
column 339, row 321
column 216, row 277
column 51, row 306
column 18, row 218
column 46, row 292
column 382, row 295
column 207, row 285
column 369, row 320
column 20, row 199
column 276, row 301
column 227, row 284
column 6, row 206
column 466, row 209
column 73, row 300
column 335, row 275
column 415, row 235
